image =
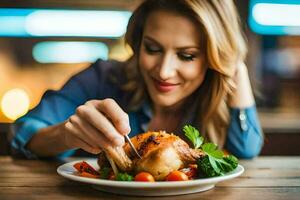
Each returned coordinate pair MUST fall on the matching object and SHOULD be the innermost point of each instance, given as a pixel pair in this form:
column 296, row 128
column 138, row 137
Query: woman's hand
column 242, row 96
column 97, row 124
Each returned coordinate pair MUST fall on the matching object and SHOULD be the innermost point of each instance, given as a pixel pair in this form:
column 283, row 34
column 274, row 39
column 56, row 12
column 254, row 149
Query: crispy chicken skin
column 118, row 155
column 161, row 154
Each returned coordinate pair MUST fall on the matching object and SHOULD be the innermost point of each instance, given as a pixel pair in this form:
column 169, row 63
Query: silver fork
column 132, row 146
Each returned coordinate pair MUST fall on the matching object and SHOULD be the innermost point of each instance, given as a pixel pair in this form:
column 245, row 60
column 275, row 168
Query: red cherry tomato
column 144, row 177
column 177, row 176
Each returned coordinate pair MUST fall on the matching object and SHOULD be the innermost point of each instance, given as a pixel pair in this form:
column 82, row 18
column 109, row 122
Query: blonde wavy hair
column 224, row 50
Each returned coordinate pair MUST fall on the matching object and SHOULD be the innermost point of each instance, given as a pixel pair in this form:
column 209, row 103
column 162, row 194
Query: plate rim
column 161, row 184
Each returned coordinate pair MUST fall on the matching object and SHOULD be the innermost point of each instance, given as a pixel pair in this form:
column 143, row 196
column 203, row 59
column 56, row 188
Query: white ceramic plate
column 145, row 188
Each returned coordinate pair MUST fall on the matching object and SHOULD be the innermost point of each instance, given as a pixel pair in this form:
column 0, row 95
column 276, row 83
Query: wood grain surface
column 264, row 178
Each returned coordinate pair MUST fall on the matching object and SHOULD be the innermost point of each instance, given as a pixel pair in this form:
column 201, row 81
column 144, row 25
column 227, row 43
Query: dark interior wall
column 4, row 144
column 281, row 144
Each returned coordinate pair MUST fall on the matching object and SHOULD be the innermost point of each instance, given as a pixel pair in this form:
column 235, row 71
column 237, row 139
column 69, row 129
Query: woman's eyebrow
column 149, row 38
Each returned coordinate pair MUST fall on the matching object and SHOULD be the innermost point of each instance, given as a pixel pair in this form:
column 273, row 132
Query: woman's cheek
column 194, row 73
column 191, row 72
column 146, row 62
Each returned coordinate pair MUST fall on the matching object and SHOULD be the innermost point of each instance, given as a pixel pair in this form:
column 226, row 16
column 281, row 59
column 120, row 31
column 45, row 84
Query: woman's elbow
column 249, row 151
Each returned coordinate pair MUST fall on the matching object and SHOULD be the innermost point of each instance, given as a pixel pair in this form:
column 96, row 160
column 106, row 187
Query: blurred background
column 44, row 42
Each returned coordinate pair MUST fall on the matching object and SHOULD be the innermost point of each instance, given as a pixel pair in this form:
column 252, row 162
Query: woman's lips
column 164, row 86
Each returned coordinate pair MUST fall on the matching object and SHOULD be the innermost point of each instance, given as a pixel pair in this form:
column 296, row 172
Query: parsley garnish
column 193, row 135
column 214, row 163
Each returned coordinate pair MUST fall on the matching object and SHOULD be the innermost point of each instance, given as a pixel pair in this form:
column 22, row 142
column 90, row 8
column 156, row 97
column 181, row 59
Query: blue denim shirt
column 244, row 138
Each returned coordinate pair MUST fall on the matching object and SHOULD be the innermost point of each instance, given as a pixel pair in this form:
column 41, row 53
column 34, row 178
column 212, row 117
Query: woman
column 187, row 68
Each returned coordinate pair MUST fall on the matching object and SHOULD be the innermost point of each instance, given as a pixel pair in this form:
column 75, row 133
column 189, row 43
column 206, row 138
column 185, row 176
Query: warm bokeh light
column 15, row 103
column 119, row 51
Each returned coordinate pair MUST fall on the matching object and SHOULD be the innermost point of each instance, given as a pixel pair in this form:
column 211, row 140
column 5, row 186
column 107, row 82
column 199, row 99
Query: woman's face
column 171, row 61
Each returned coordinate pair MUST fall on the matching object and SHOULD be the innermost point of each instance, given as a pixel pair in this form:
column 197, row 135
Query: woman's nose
column 167, row 67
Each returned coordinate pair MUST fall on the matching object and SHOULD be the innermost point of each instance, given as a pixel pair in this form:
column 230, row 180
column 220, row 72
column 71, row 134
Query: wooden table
column 265, row 178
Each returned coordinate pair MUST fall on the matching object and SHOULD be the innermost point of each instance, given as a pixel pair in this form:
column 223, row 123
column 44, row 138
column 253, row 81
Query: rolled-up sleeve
column 55, row 107
column 245, row 138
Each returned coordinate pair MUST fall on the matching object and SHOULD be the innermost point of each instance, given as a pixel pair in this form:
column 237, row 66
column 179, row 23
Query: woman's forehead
column 171, row 26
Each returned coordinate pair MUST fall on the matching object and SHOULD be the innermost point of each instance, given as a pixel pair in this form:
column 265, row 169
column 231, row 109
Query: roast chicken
column 161, row 154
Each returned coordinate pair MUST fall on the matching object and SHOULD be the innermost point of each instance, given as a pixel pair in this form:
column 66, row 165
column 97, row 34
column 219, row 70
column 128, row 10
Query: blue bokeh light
column 62, row 23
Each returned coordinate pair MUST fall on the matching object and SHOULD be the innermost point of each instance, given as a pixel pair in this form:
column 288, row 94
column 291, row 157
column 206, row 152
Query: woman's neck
column 167, row 111
column 166, row 123
column 166, row 118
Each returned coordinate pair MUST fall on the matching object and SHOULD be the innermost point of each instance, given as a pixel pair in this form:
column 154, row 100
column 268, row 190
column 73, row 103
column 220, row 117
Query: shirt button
column 243, row 120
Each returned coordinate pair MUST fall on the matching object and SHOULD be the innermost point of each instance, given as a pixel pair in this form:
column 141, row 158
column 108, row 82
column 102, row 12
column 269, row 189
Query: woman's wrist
column 48, row 141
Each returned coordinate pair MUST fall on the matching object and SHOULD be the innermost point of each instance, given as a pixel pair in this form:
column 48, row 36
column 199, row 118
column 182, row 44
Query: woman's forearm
column 48, row 141
column 244, row 139
column 242, row 96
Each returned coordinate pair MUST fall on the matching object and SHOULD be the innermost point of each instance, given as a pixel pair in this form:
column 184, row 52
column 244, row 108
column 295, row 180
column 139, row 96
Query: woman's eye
column 152, row 49
column 186, row 56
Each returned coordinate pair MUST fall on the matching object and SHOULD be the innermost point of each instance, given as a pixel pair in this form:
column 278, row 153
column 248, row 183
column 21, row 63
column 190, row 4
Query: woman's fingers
column 101, row 123
column 87, row 147
column 75, row 139
column 114, row 113
column 98, row 124
column 91, row 133
column 78, row 130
